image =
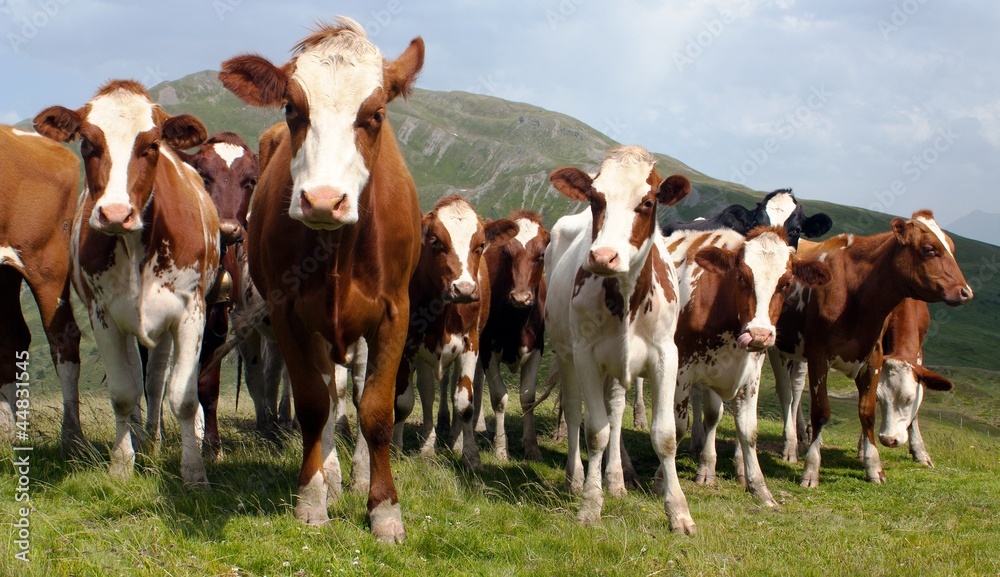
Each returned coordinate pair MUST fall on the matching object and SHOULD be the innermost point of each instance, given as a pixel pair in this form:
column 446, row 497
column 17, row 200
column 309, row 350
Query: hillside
column 499, row 154
column 980, row 225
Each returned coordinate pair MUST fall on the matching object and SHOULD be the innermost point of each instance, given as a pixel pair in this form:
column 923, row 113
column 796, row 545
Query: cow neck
column 872, row 283
column 628, row 284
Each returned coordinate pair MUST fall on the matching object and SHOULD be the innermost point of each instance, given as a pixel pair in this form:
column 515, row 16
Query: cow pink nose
column 966, row 293
column 325, row 203
column 522, row 299
column 464, row 291
column 116, row 217
column 888, row 441
column 604, row 258
column 757, row 338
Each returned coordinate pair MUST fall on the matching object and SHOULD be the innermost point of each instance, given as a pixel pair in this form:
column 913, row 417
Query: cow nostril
column 966, row 292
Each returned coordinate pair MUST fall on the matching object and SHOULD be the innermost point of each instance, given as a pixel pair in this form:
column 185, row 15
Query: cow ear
column 58, row 123
column 425, row 223
column 500, row 231
column 673, row 189
column 183, row 131
column 573, row 183
column 811, row 272
column 254, row 80
column 715, row 259
column 901, row 230
column 401, row 73
column 816, row 225
column 932, row 380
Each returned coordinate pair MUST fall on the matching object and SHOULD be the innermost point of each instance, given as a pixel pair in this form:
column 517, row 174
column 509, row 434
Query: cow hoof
column 924, row 460
column 532, row 453
column 639, row 422
column 194, row 475
column 472, row 461
column 659, row 487
column 683, row 525
column 501, row 454
column 791, row 455
column 590, row 511
column 877, row 477
column 213, row 453
column 386, row 521
column 705, row 477
column 121, row 470
column 742, row 480
column 810, row 479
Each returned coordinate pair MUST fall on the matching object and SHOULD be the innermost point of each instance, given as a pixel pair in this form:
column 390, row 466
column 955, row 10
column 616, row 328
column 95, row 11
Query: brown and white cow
column 334, row 238
column 515, row 331
column 40, row 181
column 731, row 291
column 611, row 311
column 449, row 305
column 145, row 249
column 839, row 325
column 903, row 372
column 229, row 171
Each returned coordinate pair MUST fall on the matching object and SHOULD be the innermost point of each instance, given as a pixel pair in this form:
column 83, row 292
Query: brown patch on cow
column 599, row 209
column 126, row 85
column 613, row 299
column 582, row 275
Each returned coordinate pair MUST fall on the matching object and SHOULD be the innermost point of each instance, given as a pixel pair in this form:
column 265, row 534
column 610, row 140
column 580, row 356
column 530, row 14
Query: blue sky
column 885, row 104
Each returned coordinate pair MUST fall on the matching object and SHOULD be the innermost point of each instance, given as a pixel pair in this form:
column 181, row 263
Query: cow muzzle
column 604, row 262
column 893, row 440
column 230, row 231
column 756, row 339
column 960, row 297
column 521, row 299
column 462, row 292
column 326, row 207
column 117, row 219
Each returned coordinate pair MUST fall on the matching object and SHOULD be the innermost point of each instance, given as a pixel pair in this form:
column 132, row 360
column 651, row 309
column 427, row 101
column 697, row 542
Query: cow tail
column 239, row 379
column 547, row 387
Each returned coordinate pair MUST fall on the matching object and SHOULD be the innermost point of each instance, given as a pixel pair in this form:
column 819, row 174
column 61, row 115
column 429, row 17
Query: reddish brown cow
column 145, row 250
column 229, row 170
column 515, row 331
column 839, row 324
column 40, row 183
column 334, row 239
column 449, row 305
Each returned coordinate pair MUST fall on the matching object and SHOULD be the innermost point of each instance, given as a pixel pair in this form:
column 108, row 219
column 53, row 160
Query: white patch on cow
column 623, row 182
column 337, row 76
column 849, row 368
column 936, row 230
column 461, row 222
column 527, row 230
column 121, row 116
column 228, row 152
column 767, row 257
column 780, row 207
column 899, row 397
column 9, row 256
column 20, row 132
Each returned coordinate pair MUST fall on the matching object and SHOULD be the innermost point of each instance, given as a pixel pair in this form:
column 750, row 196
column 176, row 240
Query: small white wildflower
column 286, row 564
column 305, row 547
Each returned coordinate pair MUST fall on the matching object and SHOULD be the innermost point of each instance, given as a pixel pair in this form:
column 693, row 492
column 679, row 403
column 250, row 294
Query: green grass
column 509, row 518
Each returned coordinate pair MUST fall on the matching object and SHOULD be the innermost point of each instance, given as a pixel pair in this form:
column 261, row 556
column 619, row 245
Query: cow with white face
column 732, row 291
column 611, row 312
column 145, row 249
column 449, row 306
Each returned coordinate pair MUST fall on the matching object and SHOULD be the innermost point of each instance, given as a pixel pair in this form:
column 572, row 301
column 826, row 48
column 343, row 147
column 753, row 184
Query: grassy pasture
column 512, row 518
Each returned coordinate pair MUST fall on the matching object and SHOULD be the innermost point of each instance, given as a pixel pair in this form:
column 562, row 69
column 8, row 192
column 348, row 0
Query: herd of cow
column 319, row 250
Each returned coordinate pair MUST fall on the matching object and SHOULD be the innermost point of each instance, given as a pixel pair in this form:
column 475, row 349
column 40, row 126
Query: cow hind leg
column 639, row 408
column 15, row 340
column 426, row 379
column 713, row 414
column 157, row 372
column 819, row 414
column 360, row 469
column 572, row 408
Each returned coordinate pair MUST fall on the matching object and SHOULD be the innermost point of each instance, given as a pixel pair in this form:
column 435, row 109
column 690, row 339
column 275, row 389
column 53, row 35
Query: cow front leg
column 184, row 394
column 783, row 385
column 426, row 379
column 867, row 383
column 124, row 369
column 598, row 430
column 639, row 408
column 157, row 372
column 529, row 382
column 917, row 448
column 614, row 473
column 498, row 399
column 571, row 401
column 663, row 434
column 465, row 371
column 360, row 472
column 746, row 432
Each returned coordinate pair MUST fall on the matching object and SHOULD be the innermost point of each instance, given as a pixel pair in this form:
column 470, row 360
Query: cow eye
column 929, row 250
column 647, row 205
column 251, row 182
column 86, row 148
column 154, row 147
column 289, row 111
column 378, row 117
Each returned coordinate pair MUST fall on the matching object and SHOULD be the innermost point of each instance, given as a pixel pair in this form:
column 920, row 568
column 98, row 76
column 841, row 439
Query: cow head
column 229, row 169
column 899, row 396
column 925, row 262
column 623, row 198
column 454, row 239
column 761, row 272
column 121, row 132
column 334, row 92
column 780, row 208
column 524, row 257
